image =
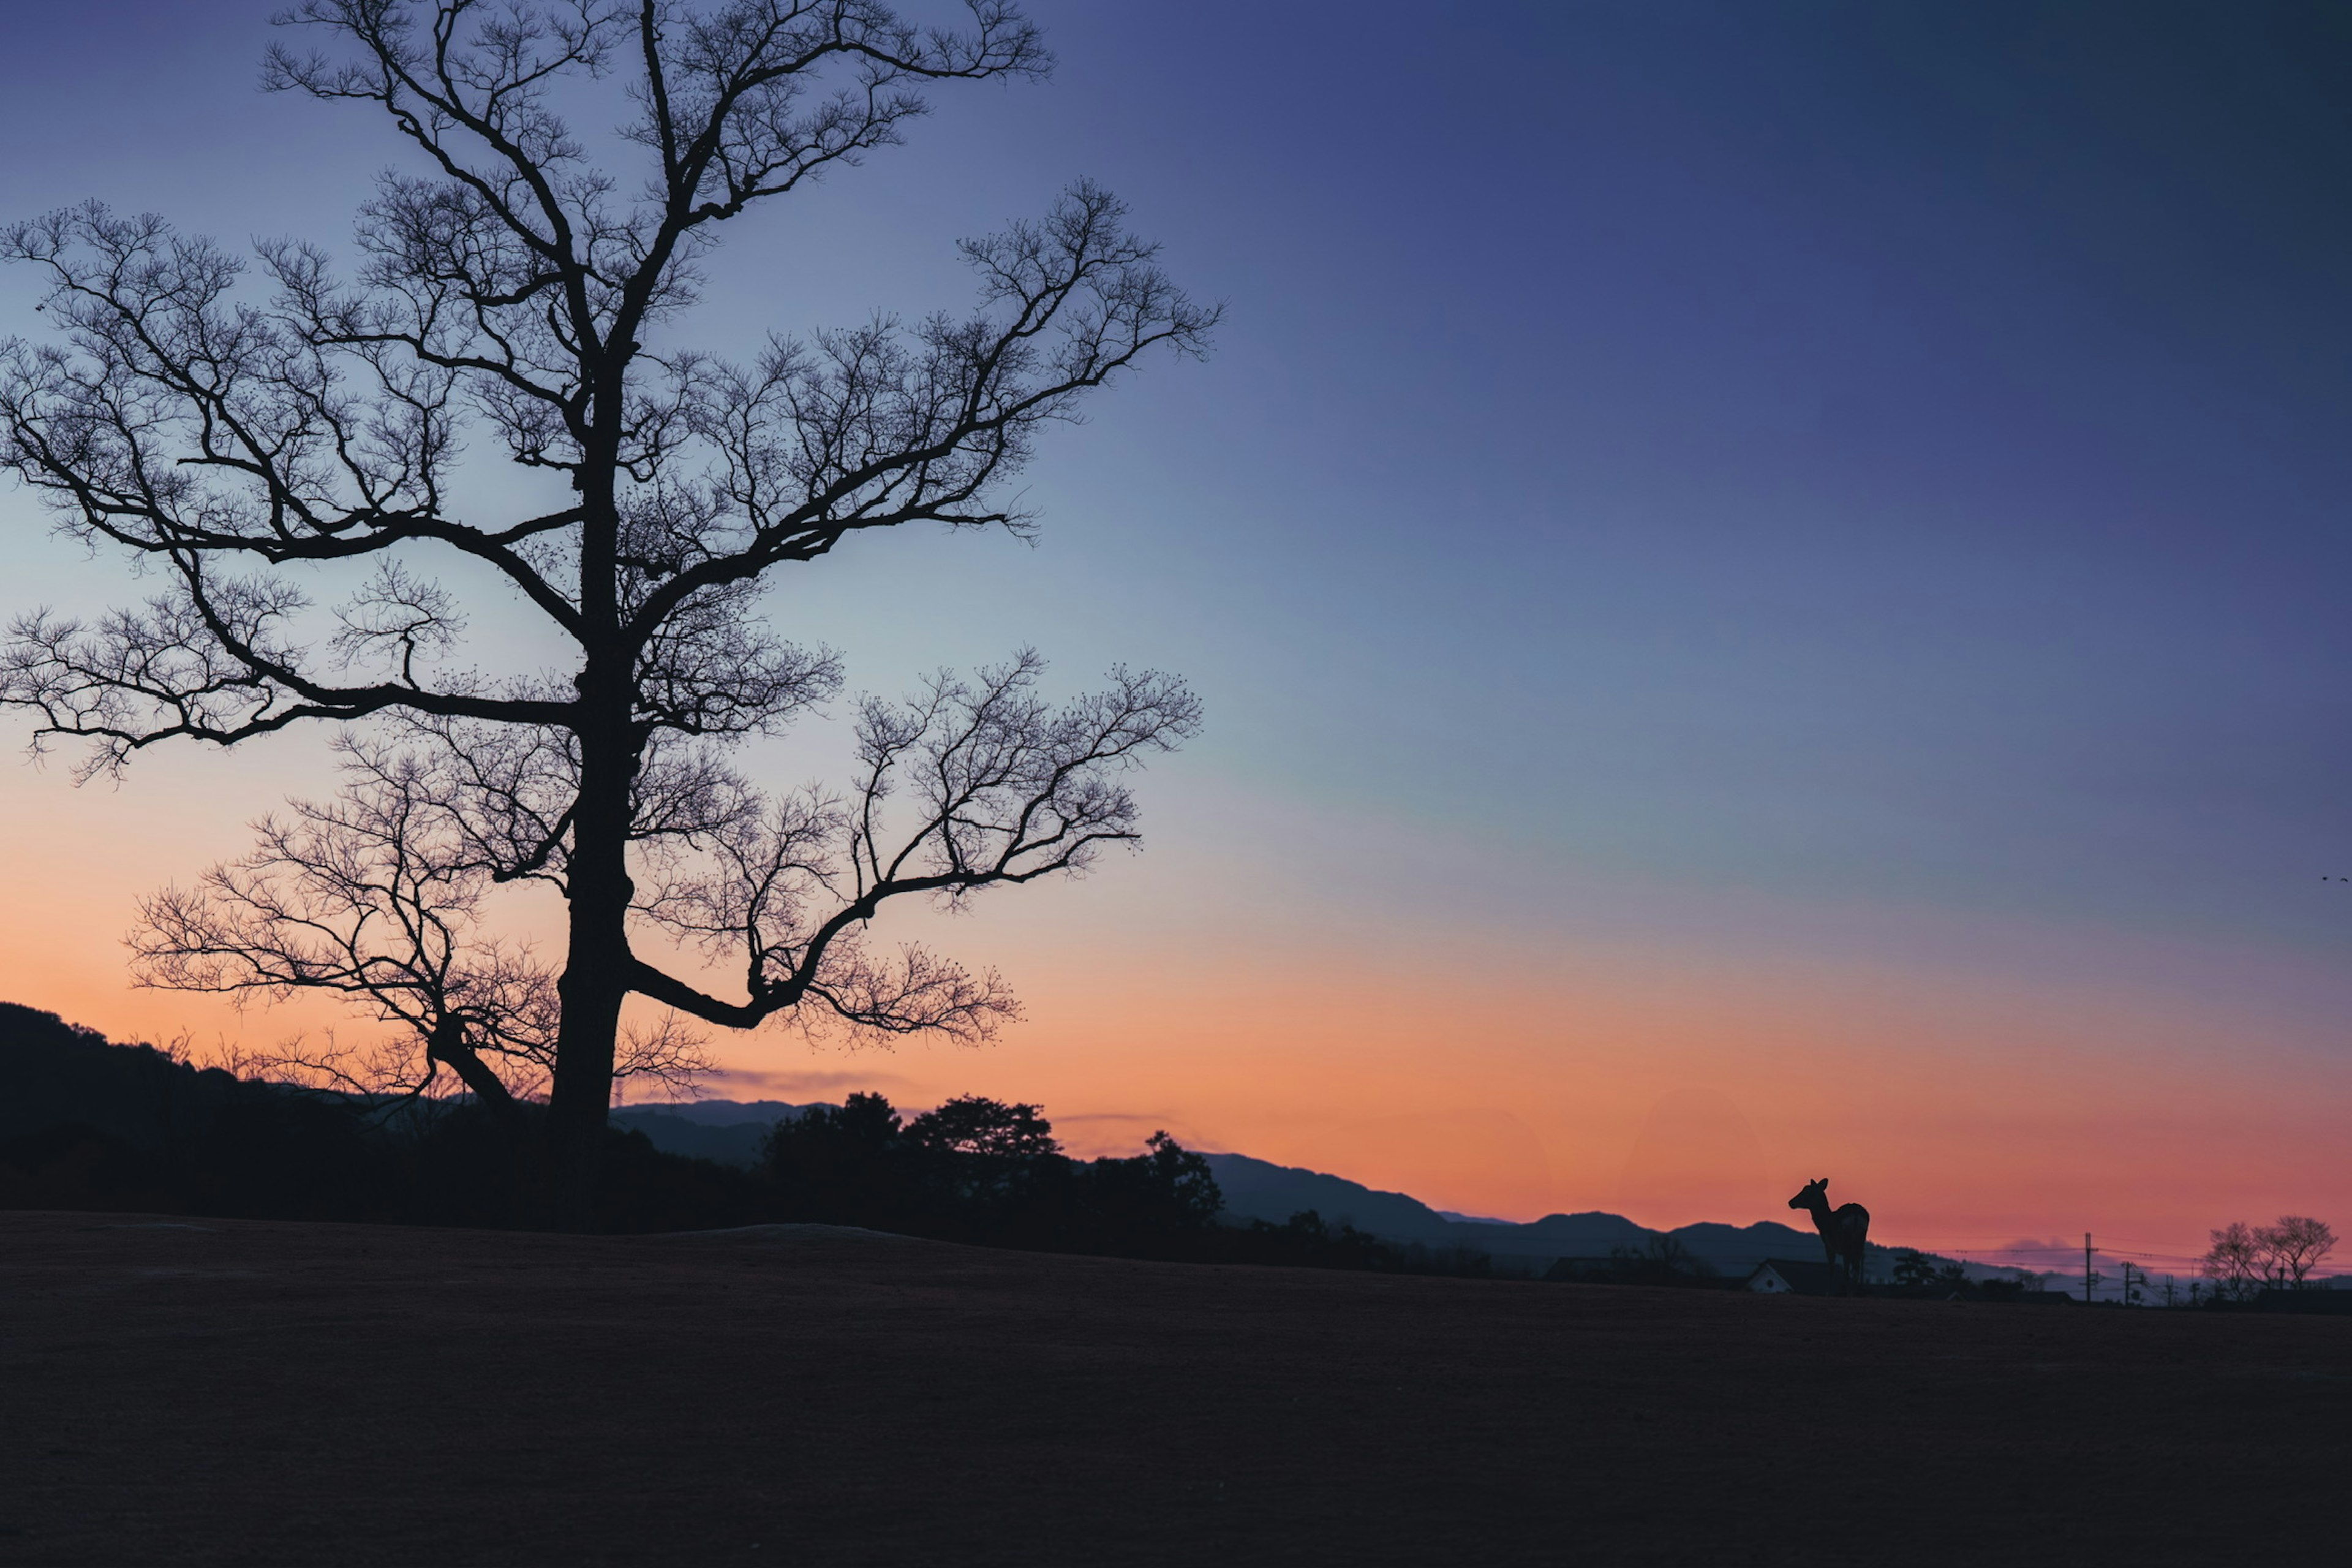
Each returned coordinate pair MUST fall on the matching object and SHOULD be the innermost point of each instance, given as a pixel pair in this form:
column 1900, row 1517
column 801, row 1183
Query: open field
column 236, row 1392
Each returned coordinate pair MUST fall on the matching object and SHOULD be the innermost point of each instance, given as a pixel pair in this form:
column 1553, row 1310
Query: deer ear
column 1822, row 1183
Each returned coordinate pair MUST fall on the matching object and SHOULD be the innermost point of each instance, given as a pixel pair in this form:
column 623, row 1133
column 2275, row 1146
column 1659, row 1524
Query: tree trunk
column 596, row 879
column 593, row 984
column 583, row 1072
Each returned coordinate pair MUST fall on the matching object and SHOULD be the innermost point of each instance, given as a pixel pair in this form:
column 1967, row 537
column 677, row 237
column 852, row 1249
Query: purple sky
column 1884, row 464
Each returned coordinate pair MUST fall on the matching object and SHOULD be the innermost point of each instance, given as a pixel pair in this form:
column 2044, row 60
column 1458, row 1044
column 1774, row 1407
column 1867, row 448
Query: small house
column 1787, row 1277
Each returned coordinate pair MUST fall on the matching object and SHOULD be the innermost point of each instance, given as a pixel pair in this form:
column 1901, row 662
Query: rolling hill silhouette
column 731, row 1132
column 1258, row 1189
column 54, row 1074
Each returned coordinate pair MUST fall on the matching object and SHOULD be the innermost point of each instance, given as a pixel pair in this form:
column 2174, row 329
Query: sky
column 1768, row 583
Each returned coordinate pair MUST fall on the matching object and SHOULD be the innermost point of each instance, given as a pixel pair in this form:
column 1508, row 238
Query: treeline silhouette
column 86, row 1125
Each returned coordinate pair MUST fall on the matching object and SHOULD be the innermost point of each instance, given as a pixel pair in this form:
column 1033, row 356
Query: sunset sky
column 1770, row 582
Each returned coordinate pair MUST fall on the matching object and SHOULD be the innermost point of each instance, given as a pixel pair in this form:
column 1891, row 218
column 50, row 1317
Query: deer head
column 1816, row 1194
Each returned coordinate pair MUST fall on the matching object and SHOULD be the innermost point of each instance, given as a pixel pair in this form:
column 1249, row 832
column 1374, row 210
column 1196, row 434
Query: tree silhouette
column 2243, row 1258
column 977, row 1127
column 261, row 453
column 981, row 1170
column 2292, row 1249
column 2233, row 1264
column 983, row 1149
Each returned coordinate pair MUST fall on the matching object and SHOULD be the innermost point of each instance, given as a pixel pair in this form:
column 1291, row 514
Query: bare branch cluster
column 2245, row 1259
column 969, row 784
column 377, row 895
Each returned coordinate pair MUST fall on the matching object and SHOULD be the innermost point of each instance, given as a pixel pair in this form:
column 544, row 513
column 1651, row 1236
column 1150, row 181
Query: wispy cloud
column 760, row 1083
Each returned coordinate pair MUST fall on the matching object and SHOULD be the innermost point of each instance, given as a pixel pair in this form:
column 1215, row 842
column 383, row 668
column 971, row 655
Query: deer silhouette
column 1843, row 1229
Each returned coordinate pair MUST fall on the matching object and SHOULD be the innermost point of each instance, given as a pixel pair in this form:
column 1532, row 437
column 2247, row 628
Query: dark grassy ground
column 245, row 1392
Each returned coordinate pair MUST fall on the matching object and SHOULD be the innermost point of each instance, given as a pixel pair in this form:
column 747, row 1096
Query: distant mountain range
column 731, row 1132
column 1258, row 1189
column 728, row 1130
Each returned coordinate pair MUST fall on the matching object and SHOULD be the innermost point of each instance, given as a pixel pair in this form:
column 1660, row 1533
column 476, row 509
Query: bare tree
column 2292, row 1249
column 2233, row 1264
column 247, row 448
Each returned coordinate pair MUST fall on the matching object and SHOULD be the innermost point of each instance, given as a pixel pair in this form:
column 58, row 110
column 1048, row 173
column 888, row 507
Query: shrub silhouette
column 1914, row 1270
column 981, row 1170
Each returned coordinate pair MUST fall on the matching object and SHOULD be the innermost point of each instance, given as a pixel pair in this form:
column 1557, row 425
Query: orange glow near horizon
column 1670, row 1083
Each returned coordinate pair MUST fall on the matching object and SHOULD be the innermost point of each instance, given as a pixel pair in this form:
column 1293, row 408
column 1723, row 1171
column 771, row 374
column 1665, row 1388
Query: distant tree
column 2233, row 1266
column 1180, row 1180
column 1167, row 1193
column 2244, row 1258
column 862, row 1121
column 513, row 299
column 982, row 1170
column 980, row 1128
column 984, row 1150
column 840, row 1164
column 1913, row 1269
column 2292, row 1247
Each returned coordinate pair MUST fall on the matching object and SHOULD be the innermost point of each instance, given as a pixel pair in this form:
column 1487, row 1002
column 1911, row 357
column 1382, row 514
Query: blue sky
column 1876, row 458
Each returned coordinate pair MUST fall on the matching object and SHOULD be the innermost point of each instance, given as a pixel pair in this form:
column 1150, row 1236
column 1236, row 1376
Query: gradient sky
column 1771, row 584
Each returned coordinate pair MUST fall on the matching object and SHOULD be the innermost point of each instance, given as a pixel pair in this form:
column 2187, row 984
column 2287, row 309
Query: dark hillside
column 53, row 1073
column 87, row 1125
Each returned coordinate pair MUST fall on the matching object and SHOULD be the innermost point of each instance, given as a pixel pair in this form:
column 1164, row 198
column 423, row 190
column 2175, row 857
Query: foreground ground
column 233, row 1392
